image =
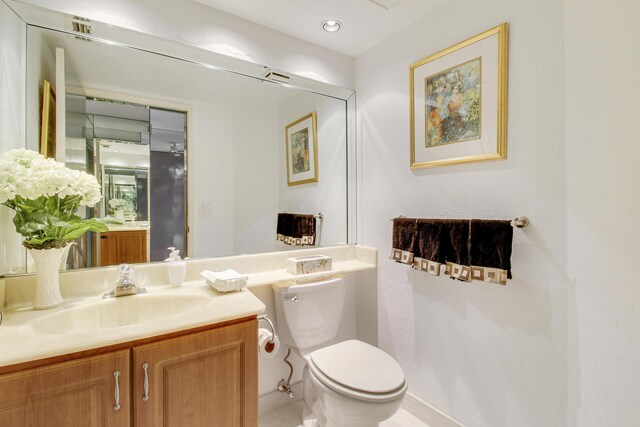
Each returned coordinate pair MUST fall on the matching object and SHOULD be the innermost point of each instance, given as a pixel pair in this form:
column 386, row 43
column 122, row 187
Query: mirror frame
column 47, row 19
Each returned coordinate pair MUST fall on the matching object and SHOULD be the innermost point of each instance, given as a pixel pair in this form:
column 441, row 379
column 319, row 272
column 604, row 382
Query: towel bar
column 519, row 222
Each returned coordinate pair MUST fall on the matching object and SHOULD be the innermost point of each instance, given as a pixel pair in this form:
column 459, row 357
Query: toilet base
column 310, row 420
column 326, row 408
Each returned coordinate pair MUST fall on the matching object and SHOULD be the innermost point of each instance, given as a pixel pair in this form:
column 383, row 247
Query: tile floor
column 290, row 416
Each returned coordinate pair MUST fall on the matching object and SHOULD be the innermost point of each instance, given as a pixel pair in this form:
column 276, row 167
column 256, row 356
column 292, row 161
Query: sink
column 116, row 312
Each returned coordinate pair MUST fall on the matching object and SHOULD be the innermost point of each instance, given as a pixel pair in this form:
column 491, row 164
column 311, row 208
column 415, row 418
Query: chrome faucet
column 125, row 285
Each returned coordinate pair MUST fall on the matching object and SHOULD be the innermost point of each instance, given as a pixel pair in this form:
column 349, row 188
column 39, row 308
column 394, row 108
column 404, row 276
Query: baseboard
column 275, row 400
column 428, row 414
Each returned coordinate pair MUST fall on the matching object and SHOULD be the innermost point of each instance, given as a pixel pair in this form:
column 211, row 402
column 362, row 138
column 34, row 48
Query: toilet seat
column 358, row 370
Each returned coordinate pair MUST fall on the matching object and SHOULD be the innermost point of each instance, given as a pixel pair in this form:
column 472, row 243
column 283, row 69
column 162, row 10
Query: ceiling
column 364, row 22
column 117, row 69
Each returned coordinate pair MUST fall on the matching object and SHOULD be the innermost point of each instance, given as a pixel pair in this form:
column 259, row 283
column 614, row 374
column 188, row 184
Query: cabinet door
column 133, row 246
column 204, row 379
column 109, row 250
column 77, row 393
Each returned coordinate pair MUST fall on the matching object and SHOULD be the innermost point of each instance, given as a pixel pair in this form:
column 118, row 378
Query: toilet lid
column 359, row 366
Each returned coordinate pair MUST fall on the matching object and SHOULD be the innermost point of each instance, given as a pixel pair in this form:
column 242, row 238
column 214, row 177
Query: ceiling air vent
column 277, row 77
column 83, row 26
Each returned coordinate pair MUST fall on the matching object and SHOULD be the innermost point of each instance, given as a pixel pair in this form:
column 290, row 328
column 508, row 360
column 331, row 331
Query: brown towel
column 470, row 249
column 443, row 241
column 430, row 244
column 404, row 234
column 455, row 236
column 490, row 244
column 296, row 229
column 403, row 240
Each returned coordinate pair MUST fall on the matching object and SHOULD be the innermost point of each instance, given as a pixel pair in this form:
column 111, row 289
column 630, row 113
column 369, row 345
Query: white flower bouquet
column 117, row 204
column 45, row 196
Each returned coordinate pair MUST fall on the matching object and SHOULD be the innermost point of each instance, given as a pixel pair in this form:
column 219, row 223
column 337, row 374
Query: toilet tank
column 309, row 314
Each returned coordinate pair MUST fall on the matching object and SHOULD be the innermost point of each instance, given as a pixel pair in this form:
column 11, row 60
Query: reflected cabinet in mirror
column 187, row 155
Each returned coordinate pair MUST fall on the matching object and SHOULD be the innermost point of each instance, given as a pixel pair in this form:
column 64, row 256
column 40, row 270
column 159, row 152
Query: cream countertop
column 130, row 226
column 19, row 340
column 24, row 336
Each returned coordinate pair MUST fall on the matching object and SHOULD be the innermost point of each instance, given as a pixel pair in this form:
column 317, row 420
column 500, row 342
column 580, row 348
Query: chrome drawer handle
column 116, row 407
column 146, row 382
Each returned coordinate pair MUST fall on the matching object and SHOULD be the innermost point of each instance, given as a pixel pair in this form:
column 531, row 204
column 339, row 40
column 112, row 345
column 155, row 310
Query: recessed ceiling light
column 331, row 26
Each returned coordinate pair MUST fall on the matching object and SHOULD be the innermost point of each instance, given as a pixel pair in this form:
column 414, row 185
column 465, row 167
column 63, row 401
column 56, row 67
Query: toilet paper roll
column 265, row 348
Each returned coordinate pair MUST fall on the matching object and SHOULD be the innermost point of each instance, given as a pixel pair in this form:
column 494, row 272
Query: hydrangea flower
column 46, row 195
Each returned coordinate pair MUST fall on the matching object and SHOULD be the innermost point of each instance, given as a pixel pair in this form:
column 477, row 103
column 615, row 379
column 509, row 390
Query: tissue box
column 308, row 264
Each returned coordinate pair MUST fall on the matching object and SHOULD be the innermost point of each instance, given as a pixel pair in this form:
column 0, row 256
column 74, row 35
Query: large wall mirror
column 187, row 154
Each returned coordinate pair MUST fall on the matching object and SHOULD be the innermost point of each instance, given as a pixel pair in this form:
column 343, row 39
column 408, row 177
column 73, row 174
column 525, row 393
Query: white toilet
column 348, row 384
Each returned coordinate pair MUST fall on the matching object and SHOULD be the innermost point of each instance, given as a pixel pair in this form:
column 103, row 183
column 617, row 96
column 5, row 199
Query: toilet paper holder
column 272, row 330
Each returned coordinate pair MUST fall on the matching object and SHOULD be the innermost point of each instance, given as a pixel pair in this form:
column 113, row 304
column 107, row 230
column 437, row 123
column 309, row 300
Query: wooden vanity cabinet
column 80, row 392
column 204, row 377
column 117, row 247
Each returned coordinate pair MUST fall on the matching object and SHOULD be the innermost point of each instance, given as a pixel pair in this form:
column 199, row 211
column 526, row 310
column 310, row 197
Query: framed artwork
column 302, row 151
column 459, row 102
column 48, row 121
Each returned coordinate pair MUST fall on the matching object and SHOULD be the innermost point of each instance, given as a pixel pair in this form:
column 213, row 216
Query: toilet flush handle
column 292, row 298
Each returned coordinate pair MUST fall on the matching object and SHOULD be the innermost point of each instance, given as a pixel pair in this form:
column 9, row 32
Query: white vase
column 47, row 262
column 120, row 214
column 65, row 255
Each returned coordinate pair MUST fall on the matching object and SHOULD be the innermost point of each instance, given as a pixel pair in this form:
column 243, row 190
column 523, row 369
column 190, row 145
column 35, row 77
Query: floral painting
column 300, row 151
column 453, row 104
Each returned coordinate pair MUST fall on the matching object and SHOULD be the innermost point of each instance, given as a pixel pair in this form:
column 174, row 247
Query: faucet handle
column 125, row 270
column 126, row 275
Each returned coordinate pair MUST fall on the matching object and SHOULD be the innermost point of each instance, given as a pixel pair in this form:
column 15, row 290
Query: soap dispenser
column 176, row 267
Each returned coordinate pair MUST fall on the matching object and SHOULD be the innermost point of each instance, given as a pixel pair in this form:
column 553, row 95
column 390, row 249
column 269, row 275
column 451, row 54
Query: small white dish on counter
column 225, row 281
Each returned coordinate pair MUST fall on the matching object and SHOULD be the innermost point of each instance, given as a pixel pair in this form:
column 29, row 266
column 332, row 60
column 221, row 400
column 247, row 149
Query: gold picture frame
column 48, row 121
column 302, row 150
column 458, row 108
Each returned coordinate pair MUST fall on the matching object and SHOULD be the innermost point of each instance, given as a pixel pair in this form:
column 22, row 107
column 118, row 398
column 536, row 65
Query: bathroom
column 559, row 344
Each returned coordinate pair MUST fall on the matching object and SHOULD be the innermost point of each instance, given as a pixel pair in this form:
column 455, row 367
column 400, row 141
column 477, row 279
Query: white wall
column 12, row 121
column 255, row 179
column 328, row 195
column 210, row 180
column 485, row 354
column 603, row 207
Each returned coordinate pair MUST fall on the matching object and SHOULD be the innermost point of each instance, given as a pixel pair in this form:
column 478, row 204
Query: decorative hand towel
column 426, row 244
column 433, row 245
column 403, row 240
column 296, row 229
column 469, row 249
column 454, row 245
column 490, row 250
